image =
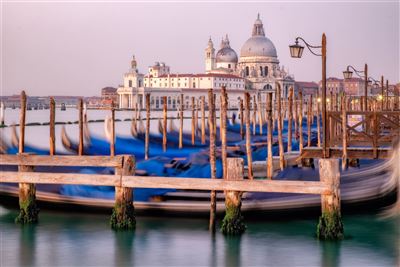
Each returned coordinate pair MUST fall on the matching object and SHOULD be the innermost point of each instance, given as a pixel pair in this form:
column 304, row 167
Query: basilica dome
column 258, row 45
column 226, row 54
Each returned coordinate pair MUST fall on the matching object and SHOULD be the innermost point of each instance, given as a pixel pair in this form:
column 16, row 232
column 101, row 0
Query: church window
column 247, row 71
column 194, row 85
column 130, row 83
column 266, row 70
column 261, row 71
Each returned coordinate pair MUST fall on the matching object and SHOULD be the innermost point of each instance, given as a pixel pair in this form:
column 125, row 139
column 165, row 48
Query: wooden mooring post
column 232, row 223
column 52, row 140
column 181, row 122
column 248, row 136
column 81, row 145
column 259, row 112
column 224, row 106
column 254, row 122
column 270, row 166
column 290, row 119
column 344, row 134
column 28, row 211
column 193, row 121
column 123, row 215
column 241, row 119
column 212, row 130
column 112, row 140
column 280, row 126
column 301, row 122
column 2, row 113
column 330, row 226
column 147, row 133
column 203, row 120
column 165, row 108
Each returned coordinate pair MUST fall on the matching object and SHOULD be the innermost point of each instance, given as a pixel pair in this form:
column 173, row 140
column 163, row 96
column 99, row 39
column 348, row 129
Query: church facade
column 256, row 70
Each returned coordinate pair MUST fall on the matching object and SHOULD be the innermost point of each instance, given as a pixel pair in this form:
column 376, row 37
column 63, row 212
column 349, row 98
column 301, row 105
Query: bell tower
column 210, row 56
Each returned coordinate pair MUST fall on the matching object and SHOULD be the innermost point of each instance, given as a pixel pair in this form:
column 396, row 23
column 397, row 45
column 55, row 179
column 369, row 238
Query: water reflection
column 330, row 253
column 124, row 248
column 83, row 240
column 27, row 245
column 232, row 250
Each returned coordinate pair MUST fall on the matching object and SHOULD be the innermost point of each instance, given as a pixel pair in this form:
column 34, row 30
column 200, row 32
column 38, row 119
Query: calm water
column 62, row 239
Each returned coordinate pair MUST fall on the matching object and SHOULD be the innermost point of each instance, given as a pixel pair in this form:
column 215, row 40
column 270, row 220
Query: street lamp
column 347, row 74
column 296, row 51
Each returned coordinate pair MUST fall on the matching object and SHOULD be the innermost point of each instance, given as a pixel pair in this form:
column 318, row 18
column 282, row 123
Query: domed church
column 258, row 62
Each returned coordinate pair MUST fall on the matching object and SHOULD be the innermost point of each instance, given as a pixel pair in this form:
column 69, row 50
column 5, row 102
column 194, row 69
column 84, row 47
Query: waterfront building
column 257, row 70
column 307, row 88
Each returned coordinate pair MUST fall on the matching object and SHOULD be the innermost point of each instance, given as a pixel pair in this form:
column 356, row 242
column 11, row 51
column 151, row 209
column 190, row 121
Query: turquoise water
column 68, row 239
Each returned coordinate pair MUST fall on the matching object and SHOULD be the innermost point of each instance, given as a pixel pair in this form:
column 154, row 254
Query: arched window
column 130, row 83
column 266, row 71
column 247, row 71
column 261, row 71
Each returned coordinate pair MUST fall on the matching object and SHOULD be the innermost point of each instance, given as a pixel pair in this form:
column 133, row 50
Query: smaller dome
column 226, row 54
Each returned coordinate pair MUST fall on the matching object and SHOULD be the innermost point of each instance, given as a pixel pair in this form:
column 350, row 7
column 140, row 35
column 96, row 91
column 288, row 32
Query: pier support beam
column 123, row 215
column 330, row 226
column 28, row 211
column 232, row 223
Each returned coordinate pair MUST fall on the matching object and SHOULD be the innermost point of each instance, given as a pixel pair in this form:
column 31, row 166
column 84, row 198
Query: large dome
column 258, row 46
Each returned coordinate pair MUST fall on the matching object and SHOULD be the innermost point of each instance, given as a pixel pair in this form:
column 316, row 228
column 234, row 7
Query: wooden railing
column 124, row 179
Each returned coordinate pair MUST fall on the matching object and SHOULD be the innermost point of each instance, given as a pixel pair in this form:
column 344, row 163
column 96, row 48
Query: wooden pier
column 370, row 137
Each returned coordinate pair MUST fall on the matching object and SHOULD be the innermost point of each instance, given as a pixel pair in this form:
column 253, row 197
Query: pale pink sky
column 78, row 48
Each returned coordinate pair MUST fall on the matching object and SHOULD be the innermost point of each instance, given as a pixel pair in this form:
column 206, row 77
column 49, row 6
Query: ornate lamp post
column 347, row 74
column 296, row 51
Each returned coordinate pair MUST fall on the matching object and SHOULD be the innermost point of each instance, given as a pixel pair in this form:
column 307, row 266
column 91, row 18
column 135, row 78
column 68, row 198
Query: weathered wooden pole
column 28, row 211
column 344, row 133
column 2, row 107
column 22, row 116
column 241, row 119
column 254, row 114
column 112, row 141
column 331, row 122
column 52, row 150
column 165, row 108
column 280, row 126
column 248, row 136
column 269, row 136
column 203, row 121
column 224, row 106
column 260, row 119
column 181, row 123
column 309, row 114
column 81, row 146
column 193, row 123
column 318, row 123
column 387, row 95
column 211, row 121
column 301, row 122
column 296, row 117
column 290, row 119
column 196, row 117
column 382, row 92
column 123, row 215
column 330, row 226
column 232, row 223
column 147, row 133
